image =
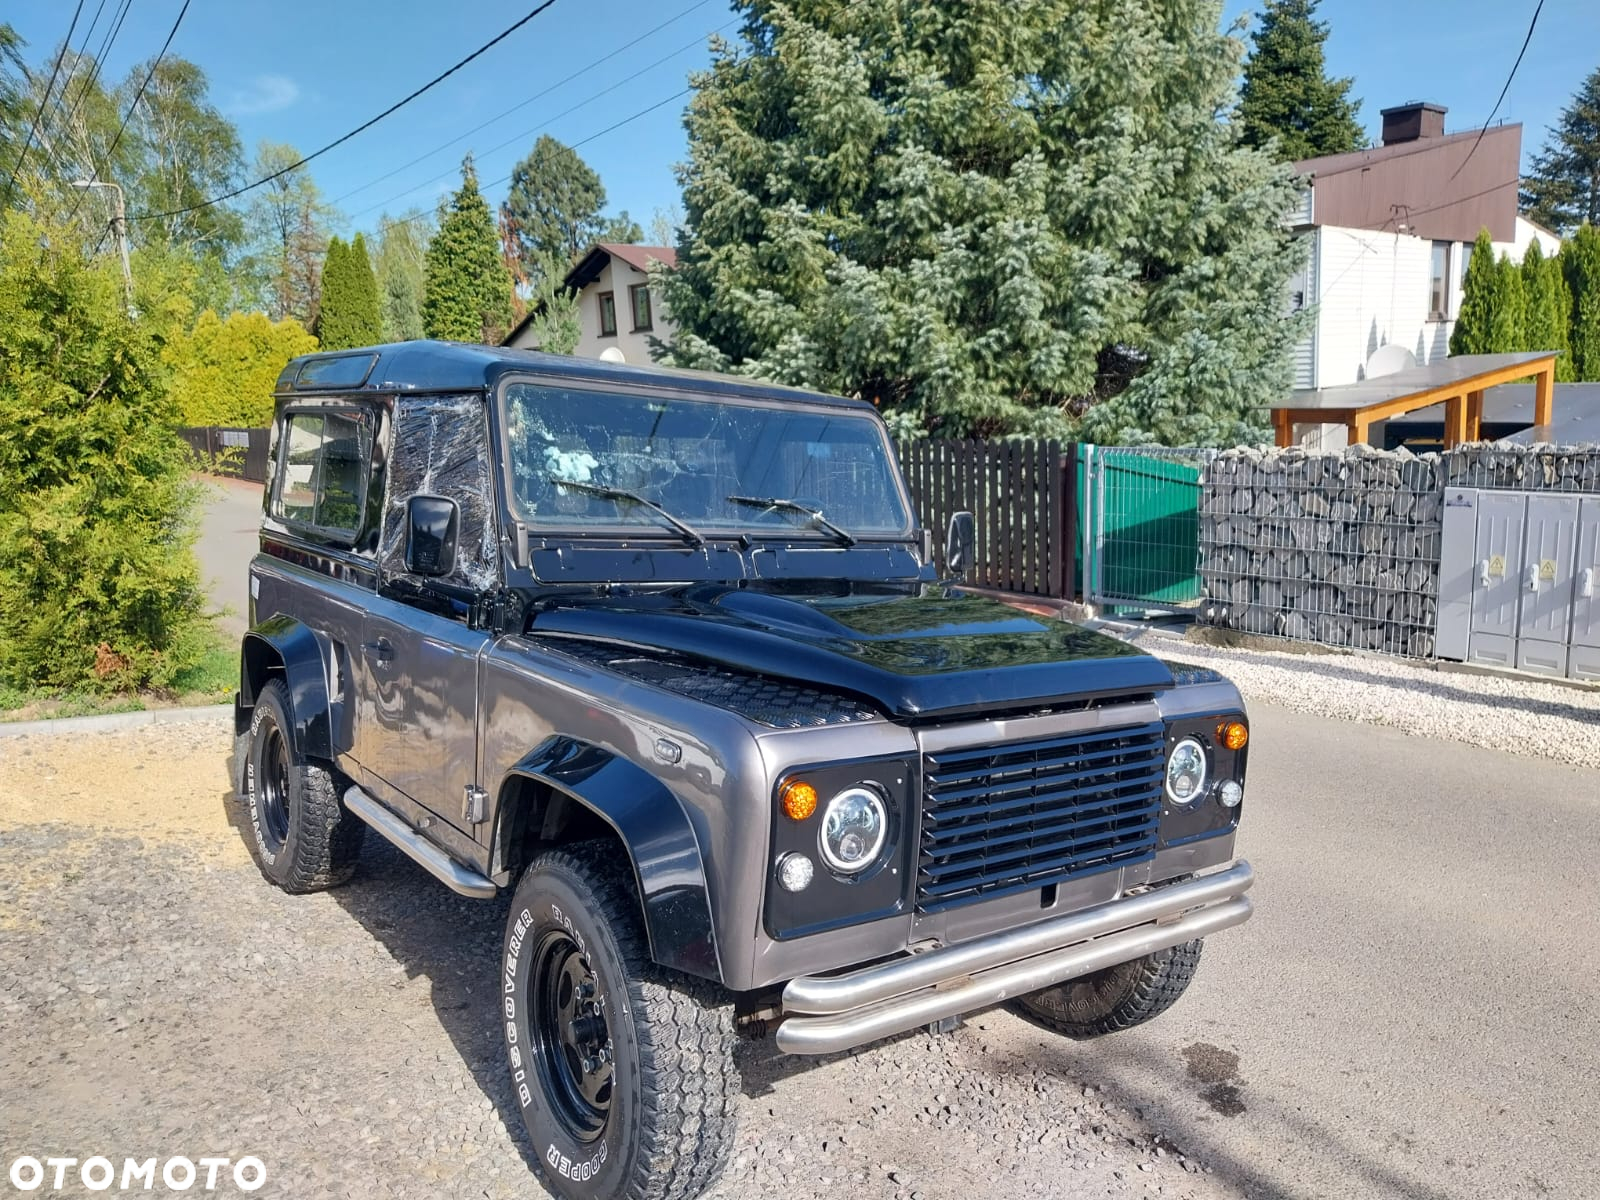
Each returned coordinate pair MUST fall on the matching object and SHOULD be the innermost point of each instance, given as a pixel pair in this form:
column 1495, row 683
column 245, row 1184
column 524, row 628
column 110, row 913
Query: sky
column 305, row 72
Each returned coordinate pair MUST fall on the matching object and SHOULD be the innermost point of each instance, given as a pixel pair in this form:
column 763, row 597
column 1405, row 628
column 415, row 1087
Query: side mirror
column 431, row 524
column 959, row 544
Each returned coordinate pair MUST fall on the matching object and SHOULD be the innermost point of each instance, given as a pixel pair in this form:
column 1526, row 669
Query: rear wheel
column 301, row 836
column 1114, row 998
column 623, row 1071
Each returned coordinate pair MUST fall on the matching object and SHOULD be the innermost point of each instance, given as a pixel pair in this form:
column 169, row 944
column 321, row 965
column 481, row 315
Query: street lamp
column 119, row 225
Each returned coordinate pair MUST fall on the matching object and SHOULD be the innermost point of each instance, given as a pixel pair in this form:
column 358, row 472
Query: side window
column 321, row 486
column 440, row 447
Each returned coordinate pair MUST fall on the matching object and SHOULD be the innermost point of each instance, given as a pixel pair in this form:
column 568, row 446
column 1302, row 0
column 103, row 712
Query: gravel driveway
column 1412, row 1011
column 158, row 997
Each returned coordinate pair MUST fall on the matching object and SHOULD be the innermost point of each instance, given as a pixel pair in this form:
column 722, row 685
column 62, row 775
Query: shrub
column 99, row 588
column 224, row 370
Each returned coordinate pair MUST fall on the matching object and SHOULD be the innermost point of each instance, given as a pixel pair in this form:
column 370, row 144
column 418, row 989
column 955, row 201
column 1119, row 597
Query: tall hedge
column 223, row 371
column 99, row 587
column 1580, row 261
column 350, row 314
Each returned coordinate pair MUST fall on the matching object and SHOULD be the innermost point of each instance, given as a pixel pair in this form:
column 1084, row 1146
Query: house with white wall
column 618, row 310
column 1390, row 232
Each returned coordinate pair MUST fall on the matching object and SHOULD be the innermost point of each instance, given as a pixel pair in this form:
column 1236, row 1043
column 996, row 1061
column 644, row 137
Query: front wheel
column 623, row 1072
column 1114, row 998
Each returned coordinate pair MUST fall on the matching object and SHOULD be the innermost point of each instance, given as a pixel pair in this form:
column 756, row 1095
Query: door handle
column 1532, row 579
column 1483, row 573
column 380, row 651
column 1586, row 582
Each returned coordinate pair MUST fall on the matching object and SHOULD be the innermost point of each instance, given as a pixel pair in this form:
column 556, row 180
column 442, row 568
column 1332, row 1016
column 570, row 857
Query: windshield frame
column 789, row 533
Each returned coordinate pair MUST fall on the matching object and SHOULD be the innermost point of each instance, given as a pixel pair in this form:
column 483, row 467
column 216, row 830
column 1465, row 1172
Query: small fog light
column 794, row 872
column 1230, row 793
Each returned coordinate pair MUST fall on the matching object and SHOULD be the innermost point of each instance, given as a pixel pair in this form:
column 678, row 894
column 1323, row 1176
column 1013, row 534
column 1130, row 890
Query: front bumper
column 826, row 1014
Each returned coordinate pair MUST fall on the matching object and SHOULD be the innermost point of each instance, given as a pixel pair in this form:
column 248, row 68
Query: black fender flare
column 660, row 841
column 300, row 653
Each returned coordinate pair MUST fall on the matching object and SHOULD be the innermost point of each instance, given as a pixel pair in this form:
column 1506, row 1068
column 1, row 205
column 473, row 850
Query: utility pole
column 119, row 226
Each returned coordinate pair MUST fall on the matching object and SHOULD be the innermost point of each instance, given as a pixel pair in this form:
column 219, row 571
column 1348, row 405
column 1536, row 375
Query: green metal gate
column 1140, row 526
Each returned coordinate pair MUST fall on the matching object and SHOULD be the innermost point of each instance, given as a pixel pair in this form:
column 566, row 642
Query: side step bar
column 429, row 857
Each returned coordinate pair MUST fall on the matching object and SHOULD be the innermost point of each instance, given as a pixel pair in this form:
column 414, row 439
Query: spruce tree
column 1287, row 100
column 1580, row 261
column 1562, row 190
column 467, row 294
column 1479, row 300
column 990, row 218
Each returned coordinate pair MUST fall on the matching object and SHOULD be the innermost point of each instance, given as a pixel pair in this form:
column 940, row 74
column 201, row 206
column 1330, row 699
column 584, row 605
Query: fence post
column 1064, row 519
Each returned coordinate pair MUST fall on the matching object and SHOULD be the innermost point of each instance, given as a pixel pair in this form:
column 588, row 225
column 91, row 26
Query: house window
column 1439, row 283
column 608, row 314
column 1466, row 261
column 639, row 295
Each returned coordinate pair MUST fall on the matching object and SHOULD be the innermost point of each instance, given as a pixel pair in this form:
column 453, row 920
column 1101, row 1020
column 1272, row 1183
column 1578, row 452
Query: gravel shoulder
column 1517, row 715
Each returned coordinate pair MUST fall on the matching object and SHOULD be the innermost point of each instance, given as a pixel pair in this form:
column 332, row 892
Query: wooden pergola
column 1458, row 383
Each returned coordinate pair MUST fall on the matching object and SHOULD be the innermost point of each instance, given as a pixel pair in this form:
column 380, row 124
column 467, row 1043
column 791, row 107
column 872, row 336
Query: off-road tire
column 317, row 842
column 669, row 1121
column 1115, row 998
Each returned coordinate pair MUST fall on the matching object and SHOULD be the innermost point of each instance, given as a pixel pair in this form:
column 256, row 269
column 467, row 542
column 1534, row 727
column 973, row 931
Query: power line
column 393, row 108
column 494, row 183
column 99, row 60
column 94, row 172
column 1538, row 8
column 587, row 67
column 43, row 102
column 77, row 59
column 545, row 124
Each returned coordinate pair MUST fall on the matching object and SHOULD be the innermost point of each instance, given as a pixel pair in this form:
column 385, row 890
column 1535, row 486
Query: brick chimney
column 1412, row 122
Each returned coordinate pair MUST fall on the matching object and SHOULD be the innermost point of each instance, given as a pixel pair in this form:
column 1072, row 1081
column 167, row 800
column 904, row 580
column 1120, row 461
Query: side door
column 1502, row 518
column 1584, row 662
column 1544, row 624
column 418, row 685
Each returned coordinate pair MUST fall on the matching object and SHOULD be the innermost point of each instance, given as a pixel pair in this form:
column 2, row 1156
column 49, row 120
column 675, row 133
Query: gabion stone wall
column 1338, row 548
column 1524, row 468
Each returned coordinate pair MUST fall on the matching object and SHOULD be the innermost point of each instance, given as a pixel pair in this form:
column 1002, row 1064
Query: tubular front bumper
column 826, row 1014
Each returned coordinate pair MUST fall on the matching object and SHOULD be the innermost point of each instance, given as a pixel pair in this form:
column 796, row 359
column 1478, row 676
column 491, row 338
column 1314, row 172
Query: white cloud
column 266, row 93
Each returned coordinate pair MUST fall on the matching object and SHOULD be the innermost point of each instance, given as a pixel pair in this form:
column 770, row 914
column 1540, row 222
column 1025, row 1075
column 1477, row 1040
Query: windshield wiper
column 689, row 533
column 816, row 519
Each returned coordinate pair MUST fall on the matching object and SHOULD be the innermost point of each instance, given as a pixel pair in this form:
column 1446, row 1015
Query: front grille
column 1003, row 819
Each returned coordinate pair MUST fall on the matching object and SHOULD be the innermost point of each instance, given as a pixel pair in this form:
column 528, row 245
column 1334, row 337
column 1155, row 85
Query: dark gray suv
column 665, row 657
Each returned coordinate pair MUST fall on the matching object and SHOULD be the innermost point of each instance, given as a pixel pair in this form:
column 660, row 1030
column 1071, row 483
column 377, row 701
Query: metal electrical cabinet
column 1517, row 577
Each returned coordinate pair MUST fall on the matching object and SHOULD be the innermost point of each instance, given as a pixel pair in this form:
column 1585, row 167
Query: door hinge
column 475, row 805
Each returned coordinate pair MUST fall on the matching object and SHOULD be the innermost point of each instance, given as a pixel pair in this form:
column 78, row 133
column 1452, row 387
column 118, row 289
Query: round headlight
column 853, row 828
column 1186, row 771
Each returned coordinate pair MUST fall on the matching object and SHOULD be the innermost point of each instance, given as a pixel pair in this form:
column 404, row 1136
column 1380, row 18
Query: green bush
column 223, row 371
column 99, row 588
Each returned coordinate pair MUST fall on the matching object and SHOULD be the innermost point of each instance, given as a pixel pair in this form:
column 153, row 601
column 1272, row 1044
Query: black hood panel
column 914, row 653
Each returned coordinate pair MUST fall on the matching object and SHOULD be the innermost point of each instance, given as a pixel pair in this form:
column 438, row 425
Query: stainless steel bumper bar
column 436, row 862
column 876, row 1002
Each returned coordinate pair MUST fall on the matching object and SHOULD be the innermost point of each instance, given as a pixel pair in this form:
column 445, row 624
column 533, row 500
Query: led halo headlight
column 1186, row 771
column 854, row 826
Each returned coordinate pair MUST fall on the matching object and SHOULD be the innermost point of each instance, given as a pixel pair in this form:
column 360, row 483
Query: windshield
column 701, row 461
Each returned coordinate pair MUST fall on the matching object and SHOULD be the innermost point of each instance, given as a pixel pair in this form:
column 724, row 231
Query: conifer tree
column 1479, row 300
column 1287, row 94
column 1507, row 327
column 467, row 294
column 1562, row 190
column 1546, row 324
column 1556, row 280
column 349, row 315
column 993, row 217
column 1580, row 261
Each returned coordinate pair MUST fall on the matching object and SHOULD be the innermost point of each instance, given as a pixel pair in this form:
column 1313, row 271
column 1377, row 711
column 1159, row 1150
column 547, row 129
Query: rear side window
column 323, row 483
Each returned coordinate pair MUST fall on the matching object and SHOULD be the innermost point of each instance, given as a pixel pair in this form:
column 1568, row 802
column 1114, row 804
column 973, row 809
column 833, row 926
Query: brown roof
column 640, row 257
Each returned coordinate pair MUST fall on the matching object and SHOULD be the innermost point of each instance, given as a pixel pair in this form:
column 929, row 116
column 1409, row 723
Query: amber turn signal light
column 1233, row 735
column 799, row 800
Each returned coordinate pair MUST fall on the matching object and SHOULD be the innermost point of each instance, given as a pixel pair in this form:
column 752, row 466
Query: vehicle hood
column 914, row 653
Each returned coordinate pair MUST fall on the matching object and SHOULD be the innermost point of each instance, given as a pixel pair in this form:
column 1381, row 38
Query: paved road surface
column 227, row 543
column 1414, row 1011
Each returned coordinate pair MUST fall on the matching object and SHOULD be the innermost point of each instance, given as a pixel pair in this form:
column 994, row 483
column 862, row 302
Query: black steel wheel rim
column 272, row 787
column 572, row 1040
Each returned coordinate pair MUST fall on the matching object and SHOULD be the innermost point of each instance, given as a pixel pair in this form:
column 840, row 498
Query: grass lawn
column 210, row 681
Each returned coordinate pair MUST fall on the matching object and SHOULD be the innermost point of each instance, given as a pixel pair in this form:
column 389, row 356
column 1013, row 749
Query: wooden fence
column 1020, row 494
column 239, row 453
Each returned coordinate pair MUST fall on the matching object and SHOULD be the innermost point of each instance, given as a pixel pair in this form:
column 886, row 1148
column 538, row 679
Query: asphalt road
column 1414, row 1010
column 228, row 539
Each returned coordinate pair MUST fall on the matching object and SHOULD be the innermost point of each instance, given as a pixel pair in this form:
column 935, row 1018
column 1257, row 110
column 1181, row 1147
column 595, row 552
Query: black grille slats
column 1004, row 819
